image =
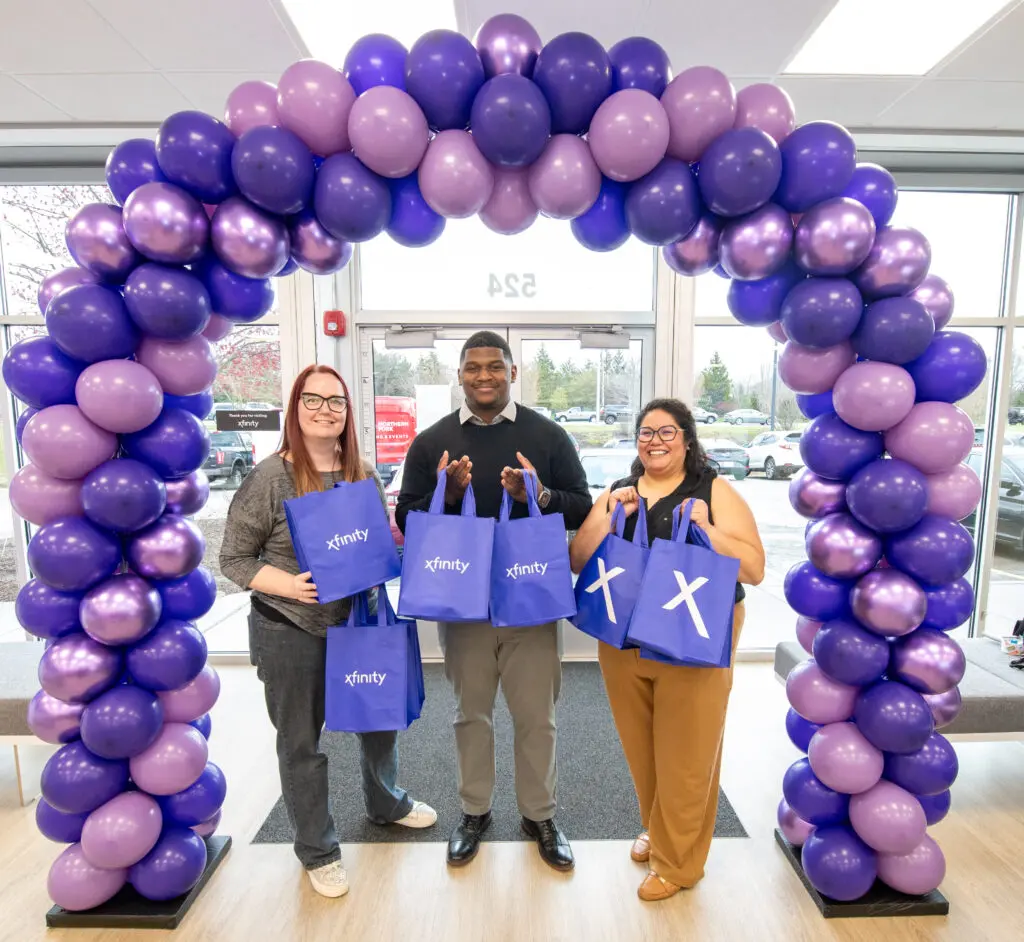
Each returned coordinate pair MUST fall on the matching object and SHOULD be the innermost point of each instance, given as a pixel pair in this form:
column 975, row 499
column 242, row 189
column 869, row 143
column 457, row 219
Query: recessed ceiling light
column 890, row 37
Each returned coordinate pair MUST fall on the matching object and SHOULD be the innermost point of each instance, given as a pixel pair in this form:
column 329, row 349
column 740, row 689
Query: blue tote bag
column 531, row 582
column 608, row 587
column 446, row 567
column 686, row 602
column 374, row 676
column 342, row 536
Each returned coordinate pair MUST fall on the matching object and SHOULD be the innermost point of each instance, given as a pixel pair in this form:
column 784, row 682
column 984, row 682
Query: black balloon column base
column 129, row 910
column 879, row 901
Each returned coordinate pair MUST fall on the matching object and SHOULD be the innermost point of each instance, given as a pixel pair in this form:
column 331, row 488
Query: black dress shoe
column 465, row 839
column 553, row 844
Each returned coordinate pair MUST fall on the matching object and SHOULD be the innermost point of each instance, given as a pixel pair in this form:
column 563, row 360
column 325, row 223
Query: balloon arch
column 295, row 174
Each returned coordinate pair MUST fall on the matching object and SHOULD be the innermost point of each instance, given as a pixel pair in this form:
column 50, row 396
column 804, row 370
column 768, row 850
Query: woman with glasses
column 671, row 719
column 288, row 627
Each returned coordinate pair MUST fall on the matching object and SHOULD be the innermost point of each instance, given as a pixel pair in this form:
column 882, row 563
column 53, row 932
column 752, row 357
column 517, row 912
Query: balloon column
column 399, row 141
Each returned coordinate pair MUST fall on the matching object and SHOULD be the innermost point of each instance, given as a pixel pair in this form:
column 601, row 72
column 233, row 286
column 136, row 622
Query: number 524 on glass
column 512, row 286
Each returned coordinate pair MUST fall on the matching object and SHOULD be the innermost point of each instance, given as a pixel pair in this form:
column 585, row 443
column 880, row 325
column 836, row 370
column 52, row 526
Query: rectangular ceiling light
column 329, row 28
column 890, row 37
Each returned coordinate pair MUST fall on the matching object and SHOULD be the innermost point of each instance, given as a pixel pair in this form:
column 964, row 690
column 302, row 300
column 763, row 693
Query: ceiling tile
column 144, row 96
column 19, row 105
column 941, row 105
column 853, row 102
column 993, row 56
column 208, row 91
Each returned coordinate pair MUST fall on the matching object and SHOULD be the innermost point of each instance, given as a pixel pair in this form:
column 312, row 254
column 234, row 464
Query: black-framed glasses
column 667, row 433
column 315, row 402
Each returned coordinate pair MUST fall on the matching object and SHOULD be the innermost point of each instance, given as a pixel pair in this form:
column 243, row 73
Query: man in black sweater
column 492, row 442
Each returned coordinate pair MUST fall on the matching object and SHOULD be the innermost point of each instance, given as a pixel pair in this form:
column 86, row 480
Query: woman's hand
column 628, row 497
column 699, row 516
column 303, row 590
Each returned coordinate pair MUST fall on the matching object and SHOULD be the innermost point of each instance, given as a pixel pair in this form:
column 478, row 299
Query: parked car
column 610, row 414
column 1010, row 512
column 232, row 456
column 621, row 443
column 745, row 417
column 576, row 414
column 727, row 458
column 542, row 410
column 703, row 416
column 261, row 407
column 1016, row 415
column 605, row 466
column 777, row 454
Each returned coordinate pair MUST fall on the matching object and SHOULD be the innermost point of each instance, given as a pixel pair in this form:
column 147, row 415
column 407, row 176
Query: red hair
column 307, row 478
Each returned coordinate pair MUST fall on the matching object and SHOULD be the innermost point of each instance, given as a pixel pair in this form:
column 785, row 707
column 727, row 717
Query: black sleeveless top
column 659, row 517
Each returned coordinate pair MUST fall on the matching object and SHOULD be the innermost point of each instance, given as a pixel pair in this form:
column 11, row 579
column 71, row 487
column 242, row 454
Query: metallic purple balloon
column 121, row 832
column 75, row 884
column 937, row 298
column 169, row 549
column 817, row 697
column 810, row 371
column 166, row 224
column 843, row 548
column 39, row 497
column 122, row 610
column 814, row 497
column 756, row 246
column 844, row 760
column 247, row 240
column 888, row 602
column 873, row 396
column 507, row 44
column 795, row 828
column 314, row 248
column 53, row 720
column 77, row 669
column 188, row 495
column 834, row 237
column 888, row 818
column 897, row 263
column 698, row 252
column 53, row 284
column 916, row 873
column 930, row 661
column 208, row 827
column 934, row 437
column 97, row 241
column 945, row 707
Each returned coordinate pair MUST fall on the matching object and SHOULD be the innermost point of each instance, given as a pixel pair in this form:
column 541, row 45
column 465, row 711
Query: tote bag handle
column 530, row 480
column 361, row 607
column 437, row 501
column 681, row 523
column 619, row 523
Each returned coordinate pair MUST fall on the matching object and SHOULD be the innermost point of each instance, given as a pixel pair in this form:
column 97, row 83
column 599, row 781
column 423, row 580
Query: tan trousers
column 671, row 722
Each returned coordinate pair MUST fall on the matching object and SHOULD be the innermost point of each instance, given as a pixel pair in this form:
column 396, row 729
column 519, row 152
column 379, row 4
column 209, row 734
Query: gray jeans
column 291, row 664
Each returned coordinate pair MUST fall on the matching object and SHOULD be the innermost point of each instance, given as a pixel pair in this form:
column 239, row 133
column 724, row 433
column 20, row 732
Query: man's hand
column 513, row 479
column 459, row 477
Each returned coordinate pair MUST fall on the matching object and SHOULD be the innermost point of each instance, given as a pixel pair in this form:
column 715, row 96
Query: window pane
column 471, row 268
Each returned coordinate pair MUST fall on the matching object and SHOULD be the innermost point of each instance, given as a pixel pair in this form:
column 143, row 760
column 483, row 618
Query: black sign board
column 249, row 421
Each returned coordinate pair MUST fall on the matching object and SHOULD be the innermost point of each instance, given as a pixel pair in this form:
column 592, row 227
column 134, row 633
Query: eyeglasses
column 315, row 403
column 667, row 433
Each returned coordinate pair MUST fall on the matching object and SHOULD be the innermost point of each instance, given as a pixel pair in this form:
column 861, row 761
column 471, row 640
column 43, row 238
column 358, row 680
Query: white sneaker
column 420, row 816
column 330, row 879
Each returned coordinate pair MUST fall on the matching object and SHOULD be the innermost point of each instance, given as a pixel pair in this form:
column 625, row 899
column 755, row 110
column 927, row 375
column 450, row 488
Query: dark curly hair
column 695, row 463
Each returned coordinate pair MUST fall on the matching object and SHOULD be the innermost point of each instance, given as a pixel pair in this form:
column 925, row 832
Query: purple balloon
column 945, row 707
column 443, row 73
column 955, row 493
column 251, row 105
column 176, row 444
column 812, row 801
column 174, row 760
column 62, row 279
column 195, row 698
column 936, row 807
column 45, row 612
column 76, row 782
column 413, row 223
column 564, row 182
column 894, row 718
column 200, row 404
column 836, row 451
column 818, row 161
column 698, row 252
column 843, row 760
column 768, row 107
column 800, row 730
column 248, row 240
column 239, row 299
column 166, row 224
column 628, row 135
column 122, row 722
column 57, row 826
column 97, row 240
column 935, row 551
column 937, row 298
column 194, row 152
column 739, row 171
column 817, row 697
column 814, row 594
column 897, row 263
column 701, row 105
column 374, row 60
column 953, row 366
column 170, row 657
column 352, row 203
column 40, row 498
column 204, row 724
column 756, row 246
column 872, row 396
column 949, row 606
column 188, row 495
column 167, row 302
column 207, row 828
column 575, row 75
column 511, row 208
column 121, row 610
column 926, row 771
column 806, row 631
column 848, row 653
column 507, row 45
column 640, row 63
column 76, row 885
column 131, row 164
column 916, row 873
column 273, row 169
column 71, row 555
column 512, row 122
column 91, row 323
column 172, row 867
column 54, row 721
column 189, row 598
column 168, row 549
column 123, row 495
column 834, row 237
column 888, row 602
column 77, row 669
column 795, row 828
column 873, row 187
column 121, row 832
column 888, row 495
column 935, row 437
column 199, row 802
column 314, row 101
column 216, row 330
column 894, row 330
column 839, row 864
column 841, row 547
column 822, row 312
column 119, row 395
column 810, row 371
column 928, row 660
column 39, row 374
column 759, row 303
column 183, row 368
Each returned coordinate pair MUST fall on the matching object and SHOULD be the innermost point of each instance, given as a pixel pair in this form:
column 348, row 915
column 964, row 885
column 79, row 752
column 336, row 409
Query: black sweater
column 492, row 448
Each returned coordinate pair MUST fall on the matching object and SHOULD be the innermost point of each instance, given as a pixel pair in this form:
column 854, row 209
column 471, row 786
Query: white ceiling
column 101, row 62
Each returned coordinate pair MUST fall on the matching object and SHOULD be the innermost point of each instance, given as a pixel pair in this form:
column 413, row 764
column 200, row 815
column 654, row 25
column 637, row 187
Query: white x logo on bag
column 686, row 592
column 606, row 576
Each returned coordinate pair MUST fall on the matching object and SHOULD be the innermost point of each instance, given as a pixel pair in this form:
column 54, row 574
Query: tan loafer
column 655, row 888
column 641, row 849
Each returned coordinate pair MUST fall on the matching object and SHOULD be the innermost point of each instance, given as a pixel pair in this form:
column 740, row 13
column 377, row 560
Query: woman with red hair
column 289, row 626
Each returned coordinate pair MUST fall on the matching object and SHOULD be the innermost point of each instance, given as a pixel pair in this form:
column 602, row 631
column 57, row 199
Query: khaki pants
column 671, row 722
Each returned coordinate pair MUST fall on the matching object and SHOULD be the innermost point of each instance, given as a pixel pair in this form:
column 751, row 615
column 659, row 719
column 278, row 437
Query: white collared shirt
column 508, row 414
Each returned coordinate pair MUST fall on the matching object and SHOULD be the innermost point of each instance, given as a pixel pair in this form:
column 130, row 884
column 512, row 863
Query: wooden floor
column 404, row 892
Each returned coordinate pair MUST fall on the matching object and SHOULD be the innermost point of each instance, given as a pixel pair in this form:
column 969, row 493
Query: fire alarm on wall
column 334, row 323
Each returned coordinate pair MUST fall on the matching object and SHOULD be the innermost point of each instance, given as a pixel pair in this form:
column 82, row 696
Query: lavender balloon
column 768, row 107
column 62, row 279
column 121, row 832
column 564, row 181
column 701, row 105
column 834, row 237
column 510, row 209
column 97, row 240
column 929, row 661
column 184, row 368
column 122, row 610
column 795, row 828
column 888, row 818
column 916, row 873
column 188, row 703
column 251, row 105
column 54, row 721
column 841, row 547
column 698, row 252
column 248, row 240
column 954, row 493
column 888, row 602
column 314, row 248
column 756, row 246
column 76, row 885
column 314, row 101
column 508, row 45
column 628, row 135
column 809, row 371
column 77, row 669
column 455, row 178
column 169, row 549
column 119, row 396
column 815, row 497
column 934, row 437
column 174, row 761
column 188, row 495
column 937, row 297
column 817, row 697
column 945, row 708
column 166, row 224
column 62, row 442
column 806, row 631
column 844, row 760
column 897, row 263
column 873, row 397
column 821, row 312
column 40, row 498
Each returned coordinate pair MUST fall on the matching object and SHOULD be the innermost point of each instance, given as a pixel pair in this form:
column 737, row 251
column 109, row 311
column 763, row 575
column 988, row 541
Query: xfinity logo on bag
column 355, row 678
column 339, row 540
column 685, row 596
column 446, row 565
column 530, row 569
column 605, row 575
